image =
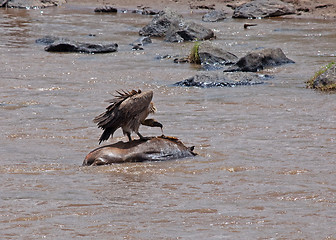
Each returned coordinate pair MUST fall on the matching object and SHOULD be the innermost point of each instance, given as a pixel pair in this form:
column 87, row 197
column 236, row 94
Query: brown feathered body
column 127, row 111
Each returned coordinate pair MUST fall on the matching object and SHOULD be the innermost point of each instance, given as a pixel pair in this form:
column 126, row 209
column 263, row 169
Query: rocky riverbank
column 298, row 8
column 303, row 8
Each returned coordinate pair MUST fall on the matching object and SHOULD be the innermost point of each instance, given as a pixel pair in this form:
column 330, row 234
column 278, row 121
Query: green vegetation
column 323, row 87
column 194, row 57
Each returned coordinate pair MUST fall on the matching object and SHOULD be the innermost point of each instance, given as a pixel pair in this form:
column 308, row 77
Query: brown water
column 266, row 166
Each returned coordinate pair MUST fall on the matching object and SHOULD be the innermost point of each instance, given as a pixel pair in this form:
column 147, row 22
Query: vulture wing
column 124, row 108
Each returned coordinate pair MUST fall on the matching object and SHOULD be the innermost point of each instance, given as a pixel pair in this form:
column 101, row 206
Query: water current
column 266, row 167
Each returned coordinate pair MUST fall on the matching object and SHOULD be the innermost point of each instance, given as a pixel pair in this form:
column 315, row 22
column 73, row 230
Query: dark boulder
column 263, row 9
column 214, row 16
column 155, row 149
column 187, row 31
column 259, row 59
column 222, row 79
column 324, row 79
column 160, row 24
column 174, row 28
column 209, row 55
column 28, row 4
column 214, row 57
column 72, row 46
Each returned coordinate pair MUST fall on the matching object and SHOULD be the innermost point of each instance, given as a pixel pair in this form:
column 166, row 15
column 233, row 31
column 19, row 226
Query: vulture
column 127, row 111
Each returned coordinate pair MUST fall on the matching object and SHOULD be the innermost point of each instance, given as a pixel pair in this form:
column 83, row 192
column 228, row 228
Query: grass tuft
column 194, row 56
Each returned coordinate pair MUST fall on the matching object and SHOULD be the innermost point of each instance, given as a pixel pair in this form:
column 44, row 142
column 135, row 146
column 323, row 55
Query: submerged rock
column 72, row 46
column 263, row 8
column 324, row 79
column 174, row 28
column 222, row 79
column 214, row 16
column 59, row 44
column 259, row 59
column 27, row 4
column 155, row 149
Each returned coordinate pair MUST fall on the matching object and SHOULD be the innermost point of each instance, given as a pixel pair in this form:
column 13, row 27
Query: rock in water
column 155, row 149
column 213, row 57
column 263, row 9
column 222, row 79
column 72, row 46
column 324, row 79
column 259, row 59
column 174, row 28
column 187, row 31
column 160, row 24
column 214, row 16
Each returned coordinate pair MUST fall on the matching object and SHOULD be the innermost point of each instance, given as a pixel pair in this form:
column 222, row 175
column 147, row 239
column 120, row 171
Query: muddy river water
column 267, row 159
